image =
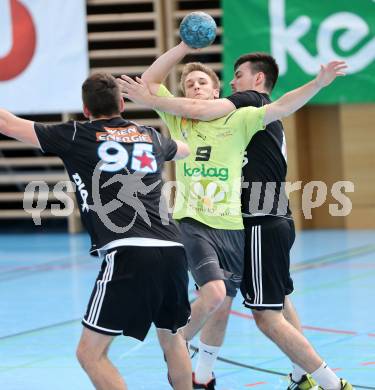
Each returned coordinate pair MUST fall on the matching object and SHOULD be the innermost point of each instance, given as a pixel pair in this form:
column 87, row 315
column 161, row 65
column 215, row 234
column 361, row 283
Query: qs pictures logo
column 18, row 47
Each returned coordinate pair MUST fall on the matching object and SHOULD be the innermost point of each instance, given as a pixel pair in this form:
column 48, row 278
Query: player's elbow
column 151, row 83
column 146, row 78
column 183, row 151
column 150, row 79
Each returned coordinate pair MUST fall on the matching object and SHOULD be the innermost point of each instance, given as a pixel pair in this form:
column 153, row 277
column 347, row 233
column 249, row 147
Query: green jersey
column 209, row 180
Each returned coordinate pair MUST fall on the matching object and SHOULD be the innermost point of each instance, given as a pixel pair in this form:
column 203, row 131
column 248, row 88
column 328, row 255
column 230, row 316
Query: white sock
column 207, row 355
column 297, row 372
column 326, row 378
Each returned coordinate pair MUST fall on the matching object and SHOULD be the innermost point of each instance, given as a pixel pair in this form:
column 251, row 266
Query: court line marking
column 317, row 262
column 335, row 257
column 255, row 384
column 138, row 346
column 50, row 326
column 40, row 329
column 224, row 360
column 23, row 268
column 77, row 260
column 314, row 328
column 304, row 265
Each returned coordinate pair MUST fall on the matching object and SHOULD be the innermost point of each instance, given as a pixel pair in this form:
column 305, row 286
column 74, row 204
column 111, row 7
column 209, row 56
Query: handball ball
column 198, row 30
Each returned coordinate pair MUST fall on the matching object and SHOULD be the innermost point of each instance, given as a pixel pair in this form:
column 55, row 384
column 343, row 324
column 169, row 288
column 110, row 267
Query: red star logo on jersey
column 145, row 161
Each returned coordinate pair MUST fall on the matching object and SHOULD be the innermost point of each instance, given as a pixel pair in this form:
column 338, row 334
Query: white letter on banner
column 285, row 40
column 356, row 30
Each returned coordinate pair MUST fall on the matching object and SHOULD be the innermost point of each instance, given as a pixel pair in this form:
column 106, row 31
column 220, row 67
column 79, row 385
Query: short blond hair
column 193, row 66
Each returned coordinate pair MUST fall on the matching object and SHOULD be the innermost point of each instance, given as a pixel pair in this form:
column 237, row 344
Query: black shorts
column 138, row 286
column 266, row 279
column 214, row 254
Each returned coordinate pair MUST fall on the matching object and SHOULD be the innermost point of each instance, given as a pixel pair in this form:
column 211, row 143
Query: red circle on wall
column 24, row 42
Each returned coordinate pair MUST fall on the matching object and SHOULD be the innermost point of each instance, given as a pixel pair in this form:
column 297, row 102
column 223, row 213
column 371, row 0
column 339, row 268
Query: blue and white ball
column 198, row 30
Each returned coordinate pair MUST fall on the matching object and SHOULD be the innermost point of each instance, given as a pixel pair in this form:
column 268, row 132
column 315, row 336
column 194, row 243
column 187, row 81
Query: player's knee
column 268, row 320
column 85, row 356
column 214, row 296
column 82, row 355
column 213, row 304
column 262, row 320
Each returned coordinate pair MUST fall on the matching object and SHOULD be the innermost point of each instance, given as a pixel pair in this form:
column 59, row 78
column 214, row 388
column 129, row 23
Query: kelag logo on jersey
column 203, row 171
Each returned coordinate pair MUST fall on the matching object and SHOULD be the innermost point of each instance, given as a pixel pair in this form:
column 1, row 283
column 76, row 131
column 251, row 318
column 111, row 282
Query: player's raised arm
column 292, row 101
column 18, row 128
column 139, row 92
column 161, row 67
column 197, row 30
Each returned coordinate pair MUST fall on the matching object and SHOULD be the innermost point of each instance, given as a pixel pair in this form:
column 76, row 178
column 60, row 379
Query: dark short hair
column 261, row 62
column 101, row 95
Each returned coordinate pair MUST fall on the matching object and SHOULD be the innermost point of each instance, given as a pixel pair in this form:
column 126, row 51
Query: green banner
column 301, row 35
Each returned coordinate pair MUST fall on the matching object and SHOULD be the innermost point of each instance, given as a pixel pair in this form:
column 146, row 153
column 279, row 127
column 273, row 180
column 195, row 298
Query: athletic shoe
column 208, row 386
column 345, row 385
column 306, row 383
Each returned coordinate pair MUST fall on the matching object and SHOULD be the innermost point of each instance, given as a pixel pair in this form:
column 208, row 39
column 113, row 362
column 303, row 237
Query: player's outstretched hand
column 135, row 90
column 329, row 72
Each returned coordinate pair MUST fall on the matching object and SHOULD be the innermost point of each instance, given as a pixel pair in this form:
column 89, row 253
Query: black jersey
column 265, row 167
column 116, row 167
